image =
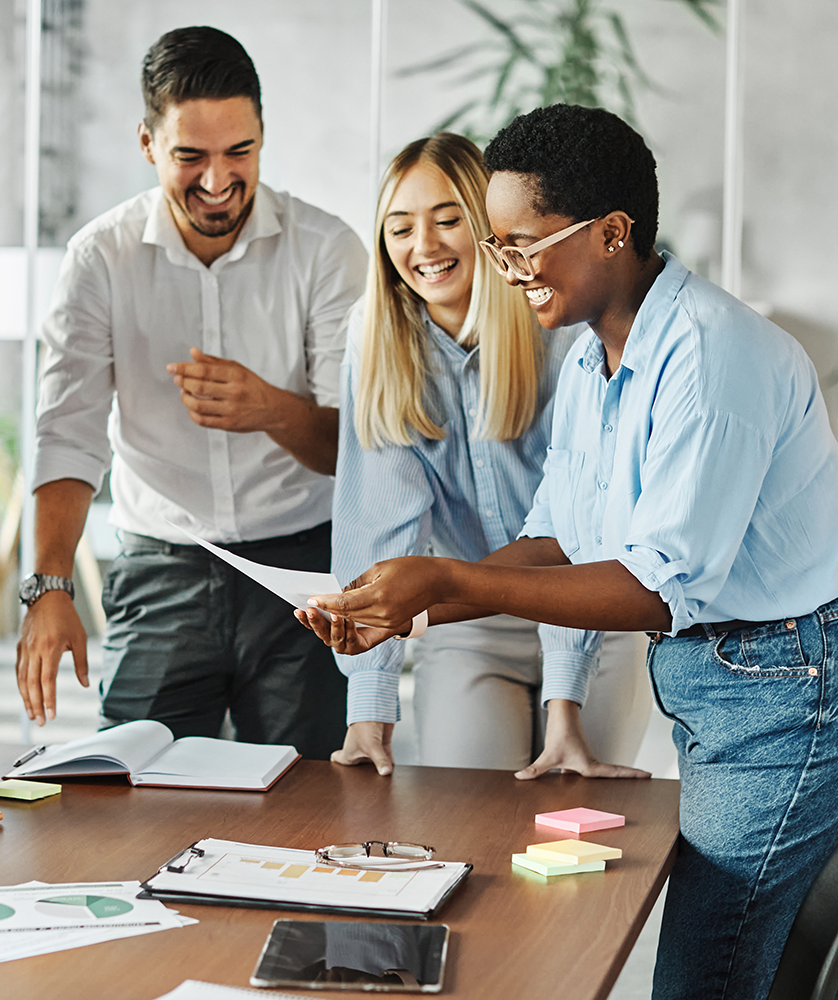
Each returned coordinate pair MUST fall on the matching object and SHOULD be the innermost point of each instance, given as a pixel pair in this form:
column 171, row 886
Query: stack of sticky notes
column 14, row 788
column 566, row 857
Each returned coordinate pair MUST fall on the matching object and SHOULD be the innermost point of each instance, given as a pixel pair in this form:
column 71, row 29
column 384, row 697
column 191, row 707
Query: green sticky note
column 553, row 868
column 14, row 788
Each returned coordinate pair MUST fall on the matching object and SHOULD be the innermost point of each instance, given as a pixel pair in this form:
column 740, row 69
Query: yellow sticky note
column 573, row 852
column 14, row 788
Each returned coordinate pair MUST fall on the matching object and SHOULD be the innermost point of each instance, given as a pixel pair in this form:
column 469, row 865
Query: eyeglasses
column 396, row 856
column 516, row 259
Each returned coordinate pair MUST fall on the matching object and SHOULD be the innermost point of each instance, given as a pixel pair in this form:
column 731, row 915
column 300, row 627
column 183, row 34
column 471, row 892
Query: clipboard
column 226, row 873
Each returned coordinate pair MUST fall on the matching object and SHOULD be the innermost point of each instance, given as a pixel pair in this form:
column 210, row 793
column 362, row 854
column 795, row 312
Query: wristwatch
column 36, row 585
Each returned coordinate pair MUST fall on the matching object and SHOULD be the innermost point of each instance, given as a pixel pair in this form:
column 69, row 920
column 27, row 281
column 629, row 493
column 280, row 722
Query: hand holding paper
column 293, row 586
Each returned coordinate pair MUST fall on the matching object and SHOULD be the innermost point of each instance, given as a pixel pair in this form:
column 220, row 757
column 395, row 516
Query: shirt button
column 598, row 539
column 603, row 486
column 608, row 428
column 490, row 513
column 472, row 412
column 479, row 463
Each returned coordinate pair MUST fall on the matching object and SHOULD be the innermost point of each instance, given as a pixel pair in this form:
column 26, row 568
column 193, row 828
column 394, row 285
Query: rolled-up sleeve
column 687, row 528
column 338, row 280
column 77, row 381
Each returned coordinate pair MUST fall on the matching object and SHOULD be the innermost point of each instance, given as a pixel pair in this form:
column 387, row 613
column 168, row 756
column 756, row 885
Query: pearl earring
column 619, row 243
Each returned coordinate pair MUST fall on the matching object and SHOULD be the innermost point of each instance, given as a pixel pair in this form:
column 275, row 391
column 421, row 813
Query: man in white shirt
column 247, row 281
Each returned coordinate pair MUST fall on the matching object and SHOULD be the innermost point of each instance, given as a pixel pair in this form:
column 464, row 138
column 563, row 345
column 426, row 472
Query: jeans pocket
column 660, row 702
column 772, row 651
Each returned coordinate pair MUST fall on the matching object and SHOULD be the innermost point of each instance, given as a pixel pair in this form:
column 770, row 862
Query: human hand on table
column 565, row 747
column 368, row 743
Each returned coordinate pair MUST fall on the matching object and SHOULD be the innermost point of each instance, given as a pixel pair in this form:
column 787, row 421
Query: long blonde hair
column 394, row 363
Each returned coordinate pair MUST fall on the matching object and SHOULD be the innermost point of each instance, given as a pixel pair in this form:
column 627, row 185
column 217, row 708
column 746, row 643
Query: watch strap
column 44, row 583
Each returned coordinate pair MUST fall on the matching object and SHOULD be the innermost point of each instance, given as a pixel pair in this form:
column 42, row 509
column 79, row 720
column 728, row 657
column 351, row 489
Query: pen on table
column 28, row 756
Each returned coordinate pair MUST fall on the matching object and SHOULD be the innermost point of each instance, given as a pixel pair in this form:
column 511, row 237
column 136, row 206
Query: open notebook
column 148, row 754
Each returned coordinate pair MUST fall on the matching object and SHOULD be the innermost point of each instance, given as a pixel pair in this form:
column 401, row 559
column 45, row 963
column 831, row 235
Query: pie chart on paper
column 83, row 907
column 6, row 911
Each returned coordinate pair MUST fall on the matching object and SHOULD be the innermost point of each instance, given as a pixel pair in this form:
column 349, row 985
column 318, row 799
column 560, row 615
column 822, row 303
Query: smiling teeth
column 539, row 295
column 433, row 269
column 209, row 199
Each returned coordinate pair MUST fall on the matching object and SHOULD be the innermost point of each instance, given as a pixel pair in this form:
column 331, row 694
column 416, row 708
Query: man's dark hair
column 189, row 64
column 585, row 163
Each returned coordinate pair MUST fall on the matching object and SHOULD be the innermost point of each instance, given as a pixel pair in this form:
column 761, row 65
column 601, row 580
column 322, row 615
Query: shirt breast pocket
column 564, row 475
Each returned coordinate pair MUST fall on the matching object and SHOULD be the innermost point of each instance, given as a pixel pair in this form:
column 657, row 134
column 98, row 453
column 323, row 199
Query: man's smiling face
column 206, row 153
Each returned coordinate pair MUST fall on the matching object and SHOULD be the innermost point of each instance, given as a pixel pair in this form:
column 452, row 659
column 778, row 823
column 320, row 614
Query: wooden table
column 514, row 934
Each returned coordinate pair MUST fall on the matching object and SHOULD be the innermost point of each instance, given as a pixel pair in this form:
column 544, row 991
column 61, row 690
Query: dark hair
column 585, row 163
column 188, row 64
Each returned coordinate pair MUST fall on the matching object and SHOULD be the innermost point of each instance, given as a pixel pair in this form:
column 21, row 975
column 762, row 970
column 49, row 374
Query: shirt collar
column 658, row 302
column 446, row 342
column 160, row 230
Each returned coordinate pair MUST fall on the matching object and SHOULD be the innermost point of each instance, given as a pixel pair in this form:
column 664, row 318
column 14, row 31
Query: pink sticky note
column 580, row 820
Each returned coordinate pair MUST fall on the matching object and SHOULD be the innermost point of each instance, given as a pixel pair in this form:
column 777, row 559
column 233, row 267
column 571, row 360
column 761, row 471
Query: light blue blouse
column 706, row 464
column 460, row 497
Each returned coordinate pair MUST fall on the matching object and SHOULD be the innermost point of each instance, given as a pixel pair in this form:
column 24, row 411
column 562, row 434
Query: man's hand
column 368, row 743
column 51, row 627
column 565, row 747
column 225, row 395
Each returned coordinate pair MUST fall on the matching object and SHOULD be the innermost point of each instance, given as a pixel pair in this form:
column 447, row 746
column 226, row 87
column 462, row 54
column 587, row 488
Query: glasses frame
column 389, row 848
column 502, row 263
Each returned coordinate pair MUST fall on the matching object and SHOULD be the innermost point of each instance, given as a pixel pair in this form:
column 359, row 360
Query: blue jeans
column 757, row 740
column 188, row 636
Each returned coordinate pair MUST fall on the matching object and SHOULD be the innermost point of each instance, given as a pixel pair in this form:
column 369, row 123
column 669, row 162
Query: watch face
column 29, row 588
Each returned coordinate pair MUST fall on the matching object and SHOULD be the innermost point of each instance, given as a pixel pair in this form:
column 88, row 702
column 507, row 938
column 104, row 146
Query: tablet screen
column 353, row 954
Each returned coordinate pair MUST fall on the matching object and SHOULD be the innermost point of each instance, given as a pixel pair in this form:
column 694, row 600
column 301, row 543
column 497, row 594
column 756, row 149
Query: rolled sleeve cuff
column 568, row 675
column 665, row 578
column 372, row 696
column 52, row 464
column 536, row 528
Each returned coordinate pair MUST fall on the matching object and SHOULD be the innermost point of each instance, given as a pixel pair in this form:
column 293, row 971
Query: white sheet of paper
column 294, row 586
column 194, row 989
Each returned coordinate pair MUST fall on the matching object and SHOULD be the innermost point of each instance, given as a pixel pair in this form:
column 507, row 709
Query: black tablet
column 353, row 955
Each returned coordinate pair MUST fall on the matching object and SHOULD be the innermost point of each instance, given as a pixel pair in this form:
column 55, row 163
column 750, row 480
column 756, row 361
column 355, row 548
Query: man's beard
column 214, row 224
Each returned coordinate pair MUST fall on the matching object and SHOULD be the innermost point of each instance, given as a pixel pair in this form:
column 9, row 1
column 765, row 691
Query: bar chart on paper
column 254, row 870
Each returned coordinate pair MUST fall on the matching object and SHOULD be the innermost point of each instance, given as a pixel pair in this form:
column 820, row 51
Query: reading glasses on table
column 395, row 856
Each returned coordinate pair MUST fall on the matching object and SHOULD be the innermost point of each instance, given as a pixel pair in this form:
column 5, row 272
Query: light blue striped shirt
column 463, row 497
column 706, row 464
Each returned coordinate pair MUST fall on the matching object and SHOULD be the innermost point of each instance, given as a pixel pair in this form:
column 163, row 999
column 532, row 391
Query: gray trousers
column 189, row 637
column 477, row 688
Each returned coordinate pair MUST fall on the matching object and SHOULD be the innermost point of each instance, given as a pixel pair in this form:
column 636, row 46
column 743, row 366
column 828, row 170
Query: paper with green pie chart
column 40, row 907
column 83, row 907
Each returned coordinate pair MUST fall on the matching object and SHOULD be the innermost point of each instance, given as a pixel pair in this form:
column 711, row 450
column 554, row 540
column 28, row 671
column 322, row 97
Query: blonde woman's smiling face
column 430, row 244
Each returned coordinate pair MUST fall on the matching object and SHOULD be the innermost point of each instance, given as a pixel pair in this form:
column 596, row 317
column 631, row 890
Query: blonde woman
column 446, row 405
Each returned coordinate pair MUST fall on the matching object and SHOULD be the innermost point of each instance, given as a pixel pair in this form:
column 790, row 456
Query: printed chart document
column 148, row 754
column 293, row 586
column 37, row 918
column 213, row 871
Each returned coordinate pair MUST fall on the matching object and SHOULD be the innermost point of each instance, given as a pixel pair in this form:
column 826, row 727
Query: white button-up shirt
column 131, row 298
